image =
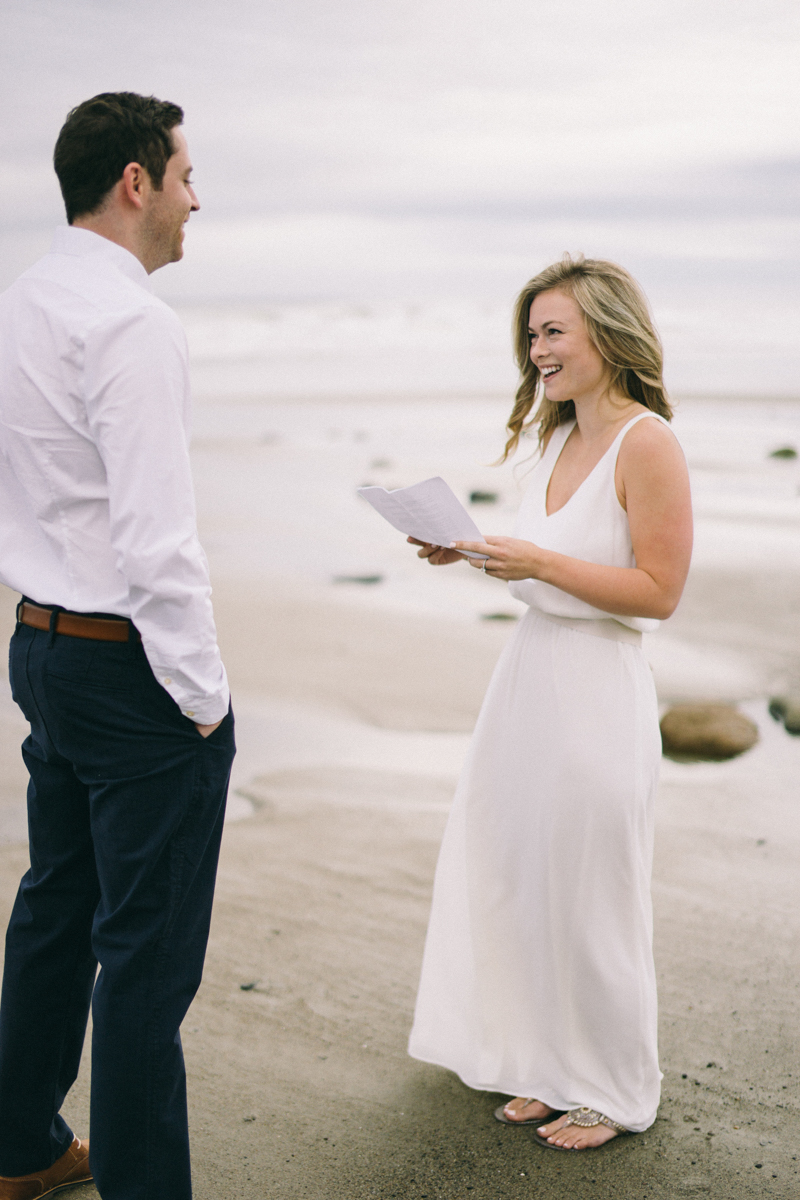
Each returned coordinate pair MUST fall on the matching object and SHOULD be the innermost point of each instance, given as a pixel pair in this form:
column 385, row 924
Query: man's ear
column 134, row 182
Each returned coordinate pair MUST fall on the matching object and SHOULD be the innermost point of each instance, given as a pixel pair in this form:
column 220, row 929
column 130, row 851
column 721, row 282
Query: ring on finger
column 483, row 568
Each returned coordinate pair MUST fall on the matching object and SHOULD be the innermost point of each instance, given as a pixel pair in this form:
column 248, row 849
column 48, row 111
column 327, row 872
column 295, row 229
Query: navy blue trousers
column 126, row 803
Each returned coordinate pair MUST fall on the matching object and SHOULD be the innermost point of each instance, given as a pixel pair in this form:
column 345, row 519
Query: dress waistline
column 604, row 627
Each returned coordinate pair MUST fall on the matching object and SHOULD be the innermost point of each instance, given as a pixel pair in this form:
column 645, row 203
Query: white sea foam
column 350, row 349
column 464, row 347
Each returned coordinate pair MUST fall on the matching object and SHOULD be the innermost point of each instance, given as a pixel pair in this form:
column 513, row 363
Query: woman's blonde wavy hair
column 619, row 324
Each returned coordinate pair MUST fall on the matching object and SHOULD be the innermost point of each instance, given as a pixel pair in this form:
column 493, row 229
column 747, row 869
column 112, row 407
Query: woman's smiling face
column 570, row 364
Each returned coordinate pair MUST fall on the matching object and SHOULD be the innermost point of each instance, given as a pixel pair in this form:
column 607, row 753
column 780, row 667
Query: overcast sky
column 428, row 148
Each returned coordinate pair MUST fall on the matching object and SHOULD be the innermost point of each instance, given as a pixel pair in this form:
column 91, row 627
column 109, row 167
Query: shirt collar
column 83, row 242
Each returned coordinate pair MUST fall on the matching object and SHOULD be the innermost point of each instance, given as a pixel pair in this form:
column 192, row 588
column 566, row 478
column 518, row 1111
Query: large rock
column 706, row 731
column 787, row 709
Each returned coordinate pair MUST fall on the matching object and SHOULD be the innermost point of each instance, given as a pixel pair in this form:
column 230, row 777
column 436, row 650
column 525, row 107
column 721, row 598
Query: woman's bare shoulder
column 651, row 464
column 649, row 438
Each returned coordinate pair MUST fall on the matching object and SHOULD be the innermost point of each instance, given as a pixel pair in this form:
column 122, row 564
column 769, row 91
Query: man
column 114, row 663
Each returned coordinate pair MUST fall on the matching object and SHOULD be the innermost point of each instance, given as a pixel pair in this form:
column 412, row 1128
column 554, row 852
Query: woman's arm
column 653, row 485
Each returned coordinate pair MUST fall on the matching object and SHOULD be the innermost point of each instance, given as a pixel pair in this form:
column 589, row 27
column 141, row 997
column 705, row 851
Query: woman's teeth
column 548, row 371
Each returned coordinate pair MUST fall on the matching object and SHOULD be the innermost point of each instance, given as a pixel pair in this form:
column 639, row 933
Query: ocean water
column 712, row 346
column 346, row 349
column 298, row 405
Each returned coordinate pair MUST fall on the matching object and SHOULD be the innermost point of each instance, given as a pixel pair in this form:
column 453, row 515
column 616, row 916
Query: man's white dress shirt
column 96, row 500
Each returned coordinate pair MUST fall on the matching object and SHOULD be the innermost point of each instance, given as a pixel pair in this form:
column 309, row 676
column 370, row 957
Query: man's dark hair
column 101, row 136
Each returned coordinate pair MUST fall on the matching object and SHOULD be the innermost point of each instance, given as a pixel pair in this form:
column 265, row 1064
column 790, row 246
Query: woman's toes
column 569, row 1139
column 573, row 1138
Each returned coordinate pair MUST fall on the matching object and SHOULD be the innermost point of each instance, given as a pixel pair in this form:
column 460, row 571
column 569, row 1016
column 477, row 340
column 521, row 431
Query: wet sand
column 352, row 726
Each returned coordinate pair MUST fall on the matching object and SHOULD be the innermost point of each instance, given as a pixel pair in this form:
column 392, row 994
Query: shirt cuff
column 209, row 710
column 203, row 710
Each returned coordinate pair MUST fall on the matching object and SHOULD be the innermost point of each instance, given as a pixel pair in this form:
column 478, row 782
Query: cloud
column 430, row 145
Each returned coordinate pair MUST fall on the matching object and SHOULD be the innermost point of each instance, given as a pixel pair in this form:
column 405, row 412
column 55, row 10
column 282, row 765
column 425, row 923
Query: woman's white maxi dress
column 538, row 976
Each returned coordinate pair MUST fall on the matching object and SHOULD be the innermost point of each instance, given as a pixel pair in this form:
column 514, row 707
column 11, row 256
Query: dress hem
column 537, row 1093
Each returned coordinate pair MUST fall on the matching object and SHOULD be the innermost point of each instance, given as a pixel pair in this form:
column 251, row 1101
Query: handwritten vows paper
column 429, row 511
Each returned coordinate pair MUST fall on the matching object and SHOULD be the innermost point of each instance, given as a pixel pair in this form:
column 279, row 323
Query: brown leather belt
column 100, row 629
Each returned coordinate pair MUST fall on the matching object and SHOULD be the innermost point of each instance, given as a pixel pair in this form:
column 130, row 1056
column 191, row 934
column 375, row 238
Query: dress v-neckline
column 586, row 479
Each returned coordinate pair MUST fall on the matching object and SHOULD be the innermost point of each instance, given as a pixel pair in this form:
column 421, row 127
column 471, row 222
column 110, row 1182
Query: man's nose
column 195, row 202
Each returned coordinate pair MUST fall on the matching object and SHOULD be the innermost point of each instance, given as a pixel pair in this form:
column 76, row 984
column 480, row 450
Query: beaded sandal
column 585, row 1118
column 500, row 1115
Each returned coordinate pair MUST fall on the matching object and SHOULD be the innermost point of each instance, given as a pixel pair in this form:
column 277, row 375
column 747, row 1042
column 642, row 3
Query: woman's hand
column 509, row 558
column 437, row 556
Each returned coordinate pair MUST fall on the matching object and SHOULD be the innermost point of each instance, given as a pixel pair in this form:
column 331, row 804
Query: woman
column 538, row 977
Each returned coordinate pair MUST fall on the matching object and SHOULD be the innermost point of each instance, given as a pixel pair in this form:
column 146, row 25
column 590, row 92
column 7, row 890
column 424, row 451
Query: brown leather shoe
column 72, row 1167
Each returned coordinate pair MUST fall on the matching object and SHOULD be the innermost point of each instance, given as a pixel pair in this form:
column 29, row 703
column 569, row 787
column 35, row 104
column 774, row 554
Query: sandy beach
column 354, row 704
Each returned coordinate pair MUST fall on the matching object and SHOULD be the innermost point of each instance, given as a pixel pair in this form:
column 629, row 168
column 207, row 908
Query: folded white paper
column 429, row 511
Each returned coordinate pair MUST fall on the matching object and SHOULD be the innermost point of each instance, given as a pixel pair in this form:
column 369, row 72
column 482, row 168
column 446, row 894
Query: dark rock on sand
column 357, row 578
column 706, row 732
column 787, row 709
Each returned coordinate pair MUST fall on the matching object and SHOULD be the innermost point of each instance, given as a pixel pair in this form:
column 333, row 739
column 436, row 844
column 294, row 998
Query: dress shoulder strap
column 615, row 445
column 557, row 439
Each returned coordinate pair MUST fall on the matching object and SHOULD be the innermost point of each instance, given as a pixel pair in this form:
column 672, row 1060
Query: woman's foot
column 521, row 1110
column 569, row 1136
